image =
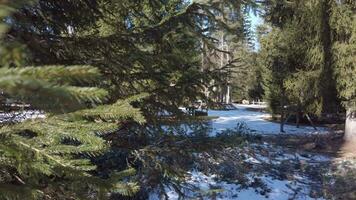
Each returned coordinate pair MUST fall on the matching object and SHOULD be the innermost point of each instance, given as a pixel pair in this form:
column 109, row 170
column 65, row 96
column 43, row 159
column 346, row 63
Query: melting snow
column 255, row 121
column 280, row 189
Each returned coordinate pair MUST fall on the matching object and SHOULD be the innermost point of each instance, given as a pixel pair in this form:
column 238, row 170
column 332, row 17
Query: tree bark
column 350, row 126
column 282, row 120
column 298, row 118
column 327, row 80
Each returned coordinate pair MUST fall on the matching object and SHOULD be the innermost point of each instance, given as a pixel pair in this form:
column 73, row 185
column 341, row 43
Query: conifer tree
column 275, row 69
column 311, row 86
column 139, row 47
column 133, row 43
column 280, row 55
column 343, row 22
column 51, row 157
column 323, row 36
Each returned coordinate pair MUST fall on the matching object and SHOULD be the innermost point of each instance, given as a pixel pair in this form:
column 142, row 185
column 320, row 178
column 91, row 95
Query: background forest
column 89, row 87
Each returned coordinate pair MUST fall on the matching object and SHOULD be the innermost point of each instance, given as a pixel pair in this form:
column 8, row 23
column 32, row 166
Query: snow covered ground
column 207, row 186
column 279, row 190
column 255, row 121
column 265, row 186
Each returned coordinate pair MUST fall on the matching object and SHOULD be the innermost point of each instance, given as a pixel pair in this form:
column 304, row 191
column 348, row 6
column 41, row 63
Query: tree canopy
column 98, row 70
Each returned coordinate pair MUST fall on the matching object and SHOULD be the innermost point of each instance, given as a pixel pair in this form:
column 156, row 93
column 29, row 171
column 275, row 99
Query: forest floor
column 301, row 163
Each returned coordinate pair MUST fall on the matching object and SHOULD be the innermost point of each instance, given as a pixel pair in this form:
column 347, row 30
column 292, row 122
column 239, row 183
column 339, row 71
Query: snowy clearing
column 255, row 121
column 279, row 190
column 262, row 184
column 208, row 186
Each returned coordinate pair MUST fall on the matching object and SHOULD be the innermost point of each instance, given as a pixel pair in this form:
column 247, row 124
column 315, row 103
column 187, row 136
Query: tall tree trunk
column 282, row 122
column 228, row 95
column 327, row 80
column 350, row 126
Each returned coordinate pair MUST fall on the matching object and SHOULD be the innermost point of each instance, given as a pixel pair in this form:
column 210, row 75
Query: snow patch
column 207, row 187
column 255, row 121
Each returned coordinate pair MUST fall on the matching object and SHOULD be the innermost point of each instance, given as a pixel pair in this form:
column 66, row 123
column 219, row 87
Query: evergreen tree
column 159, row 55
column 51, row 157
column 311, row 86
column 246, row 81
column 343, row 22
column 275, row 69
column 139, row 47
column 226, row 56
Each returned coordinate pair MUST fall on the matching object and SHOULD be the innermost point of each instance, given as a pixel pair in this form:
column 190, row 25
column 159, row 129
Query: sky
column 255, row 22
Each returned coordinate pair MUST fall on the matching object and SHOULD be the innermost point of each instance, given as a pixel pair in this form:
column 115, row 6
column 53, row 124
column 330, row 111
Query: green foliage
column 344, row 23
column 308, row 59
column 47, row 154
column 48, row 87
column 119, row 111
column 42, row 155
column 274, row 68
column 140, row 46
column 52, row 157
column 246, row 76
column 150, row 55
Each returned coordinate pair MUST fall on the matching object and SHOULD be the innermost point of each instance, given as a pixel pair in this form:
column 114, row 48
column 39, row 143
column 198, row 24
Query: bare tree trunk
column 350, row 126
column 228, row 95
column 297, row 118
column 282, row 120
